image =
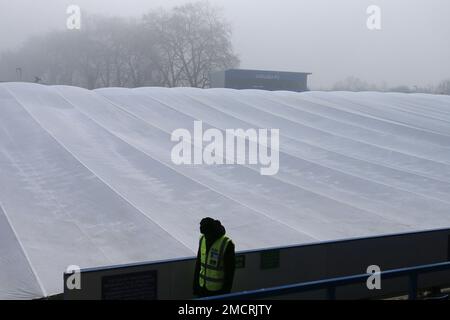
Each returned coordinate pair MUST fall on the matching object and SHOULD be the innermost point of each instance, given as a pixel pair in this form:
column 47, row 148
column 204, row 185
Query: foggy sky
column 326, row 37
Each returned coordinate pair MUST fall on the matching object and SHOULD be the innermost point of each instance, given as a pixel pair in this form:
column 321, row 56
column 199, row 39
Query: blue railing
column 331, row 284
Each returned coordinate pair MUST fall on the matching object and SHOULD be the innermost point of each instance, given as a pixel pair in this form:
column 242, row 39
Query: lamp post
column 19, row 74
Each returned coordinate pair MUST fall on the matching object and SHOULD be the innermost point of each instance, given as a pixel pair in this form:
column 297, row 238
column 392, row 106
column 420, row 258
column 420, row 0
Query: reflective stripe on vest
column 212, row 266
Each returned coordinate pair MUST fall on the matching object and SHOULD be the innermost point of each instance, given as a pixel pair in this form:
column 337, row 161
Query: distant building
column 260, row 79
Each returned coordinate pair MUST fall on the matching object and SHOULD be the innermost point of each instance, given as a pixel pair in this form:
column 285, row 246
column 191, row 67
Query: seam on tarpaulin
column 58, row 205
column 280, row 180
column 99, row 178
column 258, row 212
column 283, row 181
column 38, row 280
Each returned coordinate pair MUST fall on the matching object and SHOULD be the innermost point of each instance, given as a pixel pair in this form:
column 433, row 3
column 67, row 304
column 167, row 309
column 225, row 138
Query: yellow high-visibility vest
column 212, row 266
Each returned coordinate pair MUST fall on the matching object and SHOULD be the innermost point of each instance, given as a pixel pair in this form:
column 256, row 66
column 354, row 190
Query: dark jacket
column 212, row 233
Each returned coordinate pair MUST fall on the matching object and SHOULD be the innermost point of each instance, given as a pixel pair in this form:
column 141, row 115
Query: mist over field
column 328, row 38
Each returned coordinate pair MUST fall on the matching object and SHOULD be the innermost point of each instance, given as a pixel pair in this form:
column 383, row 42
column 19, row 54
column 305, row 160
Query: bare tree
column 179, row 47
column 142, row 58
column 443, row 87
column 193, row 40
column 353, row 84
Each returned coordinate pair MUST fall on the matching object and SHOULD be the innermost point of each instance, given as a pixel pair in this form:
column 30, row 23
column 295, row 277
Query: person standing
column 215, row 265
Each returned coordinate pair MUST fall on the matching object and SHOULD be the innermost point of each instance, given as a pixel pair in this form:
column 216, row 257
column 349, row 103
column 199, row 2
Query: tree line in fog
column 169, row 48
column 177, row 47
column 355, row 84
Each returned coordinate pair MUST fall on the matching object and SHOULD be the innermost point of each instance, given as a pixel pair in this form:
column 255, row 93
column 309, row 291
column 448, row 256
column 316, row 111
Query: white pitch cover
column 86, row 176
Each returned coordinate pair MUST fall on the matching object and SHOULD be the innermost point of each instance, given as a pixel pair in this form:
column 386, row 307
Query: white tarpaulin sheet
column 86, row 177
